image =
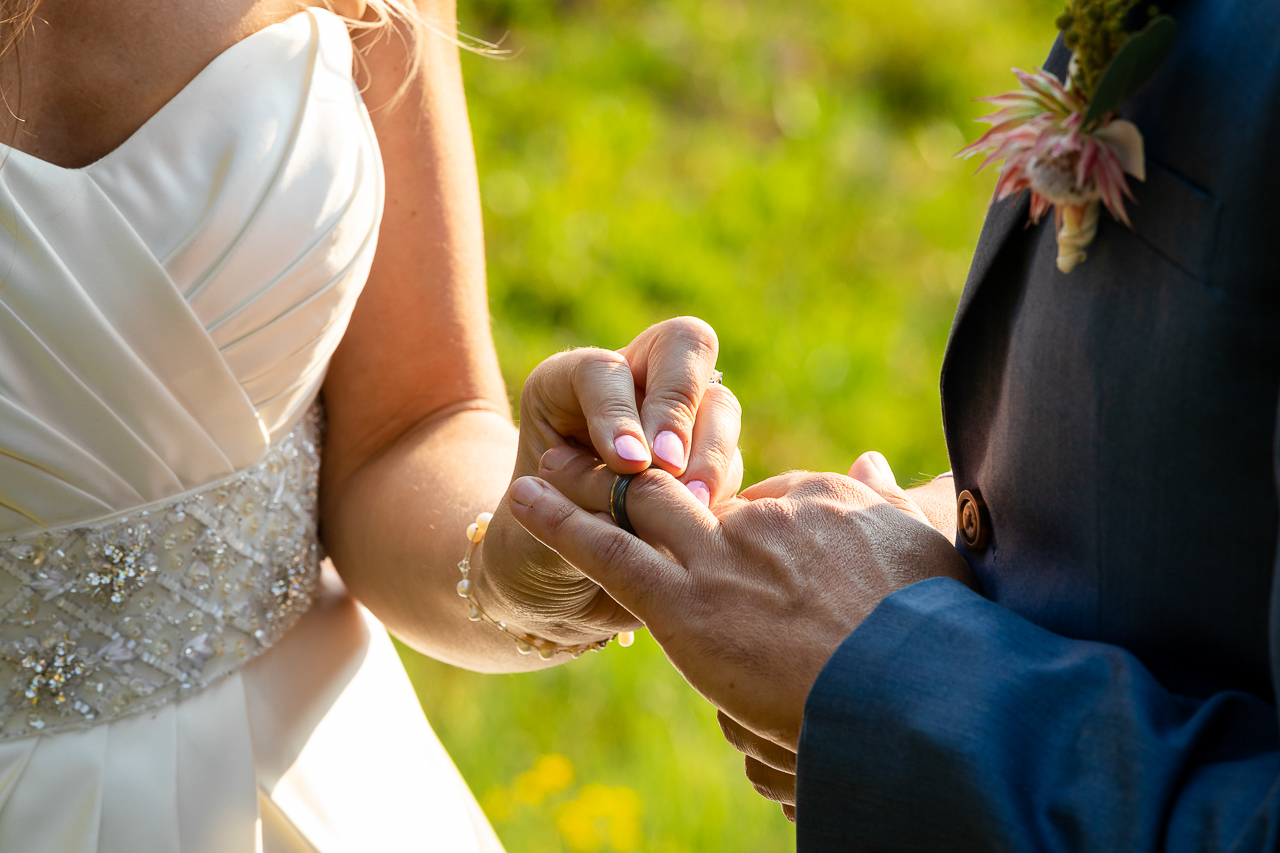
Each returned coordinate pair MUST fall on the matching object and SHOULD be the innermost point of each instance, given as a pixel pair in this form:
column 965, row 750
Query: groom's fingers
column 770, row 783
column 752, row 745
column 631, row 571
column 661, row 510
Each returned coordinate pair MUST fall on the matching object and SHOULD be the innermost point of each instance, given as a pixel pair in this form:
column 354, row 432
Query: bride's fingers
column 595, row 387
column 752, row 745
column 715, row 465
column 630, row 570
column 673, row 361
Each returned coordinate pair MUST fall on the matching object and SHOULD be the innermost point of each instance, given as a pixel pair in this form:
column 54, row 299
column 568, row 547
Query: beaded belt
column 99, row 621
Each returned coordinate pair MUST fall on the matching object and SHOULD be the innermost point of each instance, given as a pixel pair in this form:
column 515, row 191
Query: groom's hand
column 748, row 601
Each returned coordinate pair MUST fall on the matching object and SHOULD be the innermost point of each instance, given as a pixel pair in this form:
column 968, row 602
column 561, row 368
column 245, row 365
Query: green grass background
column 784, row 171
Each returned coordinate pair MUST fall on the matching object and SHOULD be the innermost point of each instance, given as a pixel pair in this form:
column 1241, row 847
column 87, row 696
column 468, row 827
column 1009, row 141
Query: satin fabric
column 165, row 314
column 168, row 310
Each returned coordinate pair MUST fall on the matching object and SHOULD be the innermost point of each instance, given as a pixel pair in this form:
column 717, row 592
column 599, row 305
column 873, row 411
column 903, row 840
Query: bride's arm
column 419, row 435
column 420, row 438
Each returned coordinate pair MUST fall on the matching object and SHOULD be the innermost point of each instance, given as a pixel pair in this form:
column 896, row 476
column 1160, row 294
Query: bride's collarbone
column 87, row 74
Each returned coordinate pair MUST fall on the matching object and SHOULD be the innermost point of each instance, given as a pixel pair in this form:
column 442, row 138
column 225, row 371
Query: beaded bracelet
column 525, row 643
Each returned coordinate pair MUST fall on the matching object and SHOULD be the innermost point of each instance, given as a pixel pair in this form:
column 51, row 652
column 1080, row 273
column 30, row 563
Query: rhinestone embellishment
column 103, row 620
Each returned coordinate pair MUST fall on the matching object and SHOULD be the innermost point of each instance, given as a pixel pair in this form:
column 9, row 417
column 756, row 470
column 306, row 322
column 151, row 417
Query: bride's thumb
column 873, row 471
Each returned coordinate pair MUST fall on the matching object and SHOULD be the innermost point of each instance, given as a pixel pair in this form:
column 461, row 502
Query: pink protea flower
column 1037, row 133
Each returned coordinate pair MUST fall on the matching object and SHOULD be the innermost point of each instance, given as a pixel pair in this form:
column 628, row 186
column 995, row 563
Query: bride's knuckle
column 589, row 364
column 679, row 400
column 722, row 398
column 719, row 457
column 698, row 334
column 599, row 358
column 615, row 409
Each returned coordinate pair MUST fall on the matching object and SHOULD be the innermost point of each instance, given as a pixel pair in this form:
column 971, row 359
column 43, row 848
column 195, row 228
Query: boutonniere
column 1064, row 141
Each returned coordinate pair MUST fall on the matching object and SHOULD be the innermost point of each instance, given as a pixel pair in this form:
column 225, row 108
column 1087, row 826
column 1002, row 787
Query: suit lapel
column 1000, row 225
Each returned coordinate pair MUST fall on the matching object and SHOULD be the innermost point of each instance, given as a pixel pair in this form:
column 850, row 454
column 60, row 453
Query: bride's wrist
column 489, row 602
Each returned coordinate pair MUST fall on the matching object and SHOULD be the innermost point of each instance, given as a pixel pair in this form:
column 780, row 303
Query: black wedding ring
column 618, row 502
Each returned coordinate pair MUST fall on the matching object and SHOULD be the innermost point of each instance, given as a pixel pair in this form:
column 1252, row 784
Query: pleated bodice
column 168, row 312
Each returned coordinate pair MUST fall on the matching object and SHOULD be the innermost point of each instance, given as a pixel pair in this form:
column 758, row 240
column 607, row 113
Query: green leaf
column 1137, row 60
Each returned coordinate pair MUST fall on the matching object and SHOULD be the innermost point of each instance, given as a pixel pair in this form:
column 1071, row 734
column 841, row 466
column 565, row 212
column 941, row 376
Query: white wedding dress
column 175, row 674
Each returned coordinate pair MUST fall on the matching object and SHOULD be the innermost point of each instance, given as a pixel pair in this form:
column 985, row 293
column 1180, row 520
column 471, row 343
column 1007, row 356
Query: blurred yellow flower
column 601, row 813
column 550, row 774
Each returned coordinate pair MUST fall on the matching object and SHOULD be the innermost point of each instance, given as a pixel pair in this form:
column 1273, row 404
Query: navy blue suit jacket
column 1112, row 685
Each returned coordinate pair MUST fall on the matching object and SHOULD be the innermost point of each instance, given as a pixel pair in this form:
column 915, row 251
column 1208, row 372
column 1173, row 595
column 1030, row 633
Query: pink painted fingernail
column 700, row 491
column 630, row 448
column 669, row 448
column 526, row 491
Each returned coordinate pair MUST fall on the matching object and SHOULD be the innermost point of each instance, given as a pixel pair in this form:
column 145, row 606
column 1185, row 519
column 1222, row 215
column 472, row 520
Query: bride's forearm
column 395, row 531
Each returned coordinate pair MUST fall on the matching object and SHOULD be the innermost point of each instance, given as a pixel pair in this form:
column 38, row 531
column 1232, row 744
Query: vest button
column 972, row 521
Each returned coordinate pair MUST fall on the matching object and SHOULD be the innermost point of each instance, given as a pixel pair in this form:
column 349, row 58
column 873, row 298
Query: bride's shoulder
column 89, row 74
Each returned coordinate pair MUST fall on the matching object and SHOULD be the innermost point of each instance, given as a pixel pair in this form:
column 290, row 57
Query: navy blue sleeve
column 948, row 723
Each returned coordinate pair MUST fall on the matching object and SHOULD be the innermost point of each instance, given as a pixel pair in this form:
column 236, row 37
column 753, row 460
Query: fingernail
column 557, row 457
column 882, row 464
column 630, row 448
column 700, row 491
column 669, row 448
column 527, row 490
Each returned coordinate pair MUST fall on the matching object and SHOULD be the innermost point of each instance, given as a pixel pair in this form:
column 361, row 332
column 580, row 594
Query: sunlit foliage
column 785, row 171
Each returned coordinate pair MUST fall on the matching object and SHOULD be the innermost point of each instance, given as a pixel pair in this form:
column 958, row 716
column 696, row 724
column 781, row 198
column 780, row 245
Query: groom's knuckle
column 559, row 517
column 830, row 485
column 771, row 514
column 647, row 486
column 616, row 548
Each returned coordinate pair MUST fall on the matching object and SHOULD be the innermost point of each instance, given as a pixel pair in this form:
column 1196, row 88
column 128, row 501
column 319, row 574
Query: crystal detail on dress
column 111, row 618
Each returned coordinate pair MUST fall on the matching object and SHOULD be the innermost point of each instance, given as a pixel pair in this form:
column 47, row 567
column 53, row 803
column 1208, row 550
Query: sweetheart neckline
column 8, row 151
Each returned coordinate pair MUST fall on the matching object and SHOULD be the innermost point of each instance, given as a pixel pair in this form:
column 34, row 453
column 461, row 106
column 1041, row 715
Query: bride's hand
column 651, row 402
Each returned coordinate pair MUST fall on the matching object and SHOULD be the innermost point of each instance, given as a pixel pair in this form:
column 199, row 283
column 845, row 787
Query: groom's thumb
column 872, row 470
column 631, row 571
